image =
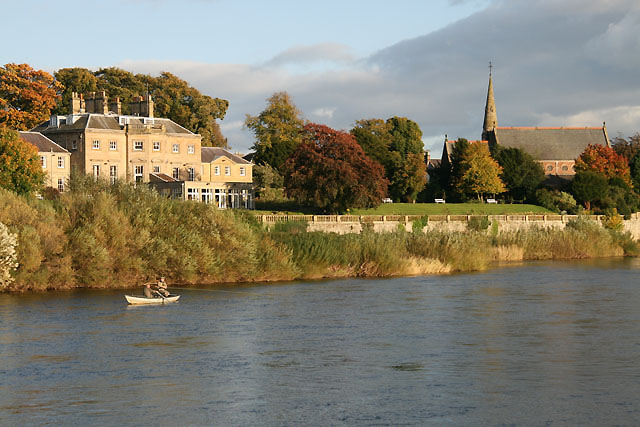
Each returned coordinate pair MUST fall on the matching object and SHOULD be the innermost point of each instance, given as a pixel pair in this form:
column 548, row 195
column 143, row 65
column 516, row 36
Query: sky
column 556, row 62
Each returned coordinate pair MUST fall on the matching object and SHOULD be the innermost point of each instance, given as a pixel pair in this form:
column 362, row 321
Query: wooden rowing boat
column 139, row 299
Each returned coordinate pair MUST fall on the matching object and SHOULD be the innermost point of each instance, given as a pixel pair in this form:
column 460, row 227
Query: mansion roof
column 108, row 122
column 41, row 142
column 209, row 154
column 544, row 143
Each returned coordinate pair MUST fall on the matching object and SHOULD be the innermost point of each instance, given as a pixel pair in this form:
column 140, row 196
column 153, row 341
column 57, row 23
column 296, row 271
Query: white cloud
column 324, row 113
column 305, row 55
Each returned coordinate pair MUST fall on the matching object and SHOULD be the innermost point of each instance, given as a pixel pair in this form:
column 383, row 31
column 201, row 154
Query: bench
column 439, row 200
column 494, row 201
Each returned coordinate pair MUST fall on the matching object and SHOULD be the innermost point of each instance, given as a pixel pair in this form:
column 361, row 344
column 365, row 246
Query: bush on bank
column 103, row 235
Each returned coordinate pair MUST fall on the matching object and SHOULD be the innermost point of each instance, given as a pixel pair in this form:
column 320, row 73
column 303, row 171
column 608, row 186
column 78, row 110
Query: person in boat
column 147, row 290
column 161, row 287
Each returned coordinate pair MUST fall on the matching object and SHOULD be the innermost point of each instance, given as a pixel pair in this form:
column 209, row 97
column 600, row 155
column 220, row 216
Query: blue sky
column 557, row 63
column 93, row 33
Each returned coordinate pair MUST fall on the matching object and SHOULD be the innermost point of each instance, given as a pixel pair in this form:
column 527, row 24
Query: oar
column 160, row 295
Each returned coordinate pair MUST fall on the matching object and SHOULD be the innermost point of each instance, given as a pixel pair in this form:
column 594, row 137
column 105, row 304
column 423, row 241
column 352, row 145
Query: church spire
column 490, row 116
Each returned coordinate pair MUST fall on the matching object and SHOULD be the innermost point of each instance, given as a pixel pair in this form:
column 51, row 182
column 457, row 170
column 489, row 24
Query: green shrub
column 419, row 224
column 478, row 223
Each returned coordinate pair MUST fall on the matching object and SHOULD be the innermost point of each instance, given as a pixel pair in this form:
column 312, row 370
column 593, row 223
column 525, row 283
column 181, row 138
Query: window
column 138, row 173
column 550, row 168
column 242, row 171
column 192, row 194
column 207, row 195
column 191, row 149
column 565, row 168
column 175, row 148
column 137, row 146
column 96, row 171
column 192, row 174
column 156, row 146
column 216, row 170
column 43, row 162
column 61, row 184
column 176, row 173
column 74, row 145
column 227, row 170
column 96, row 144
column 60, row 162
column 113, row 173
column 113, row 145
column 156, row 169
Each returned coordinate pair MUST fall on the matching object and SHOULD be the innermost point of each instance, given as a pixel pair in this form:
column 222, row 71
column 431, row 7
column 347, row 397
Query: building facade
column 142, row 148
column 55, row 160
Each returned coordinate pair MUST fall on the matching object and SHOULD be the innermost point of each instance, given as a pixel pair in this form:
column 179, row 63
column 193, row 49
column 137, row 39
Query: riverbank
column 99, row 235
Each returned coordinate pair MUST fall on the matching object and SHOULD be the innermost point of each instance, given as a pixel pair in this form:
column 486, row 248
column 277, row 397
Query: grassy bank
column 117, row 236
column 290, row 208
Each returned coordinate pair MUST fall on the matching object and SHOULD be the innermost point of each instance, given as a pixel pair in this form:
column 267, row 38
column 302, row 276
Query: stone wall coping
column 275, row 218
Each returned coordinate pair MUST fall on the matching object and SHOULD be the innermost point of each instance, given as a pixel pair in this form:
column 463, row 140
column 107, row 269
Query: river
column 525, row 344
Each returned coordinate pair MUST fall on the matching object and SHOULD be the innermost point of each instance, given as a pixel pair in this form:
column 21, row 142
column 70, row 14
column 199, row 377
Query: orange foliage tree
column 604, row 160
column 26, row 96
column 20, row 167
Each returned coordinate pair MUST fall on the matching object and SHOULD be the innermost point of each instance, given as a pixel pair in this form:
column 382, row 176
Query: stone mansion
column 142, row 148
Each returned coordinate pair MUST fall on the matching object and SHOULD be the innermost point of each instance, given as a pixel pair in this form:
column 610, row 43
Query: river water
column 526, row 344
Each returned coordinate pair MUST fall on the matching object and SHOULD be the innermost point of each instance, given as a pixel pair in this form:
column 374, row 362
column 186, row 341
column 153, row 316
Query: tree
column 26, row 96
column 604, row 160
column 620, row 197
column 589, row 186
column 634, row 170
column 78, row 80
column 409, row 175
column 520, row 172
column 451, row 173
column 268, row 182
column 627, row 148
column 330, row 171
column 480, row 173
column 277, row 129
column 396, row 144
column 374, row 136
column 20, row 167
column 173, row 98
column 406, row 136
column 409, row 178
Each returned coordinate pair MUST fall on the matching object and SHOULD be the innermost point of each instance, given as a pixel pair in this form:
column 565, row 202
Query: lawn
column 289, row 208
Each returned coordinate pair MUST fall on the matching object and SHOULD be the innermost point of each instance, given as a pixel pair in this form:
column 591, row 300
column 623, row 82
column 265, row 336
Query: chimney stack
column 141, row 106
column 116, row 106
column 77, row 103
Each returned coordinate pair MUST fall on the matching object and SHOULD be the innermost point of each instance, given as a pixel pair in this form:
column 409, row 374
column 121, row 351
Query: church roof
column 551, row 143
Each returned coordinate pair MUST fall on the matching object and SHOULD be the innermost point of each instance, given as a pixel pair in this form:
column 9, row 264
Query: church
column 556, row 148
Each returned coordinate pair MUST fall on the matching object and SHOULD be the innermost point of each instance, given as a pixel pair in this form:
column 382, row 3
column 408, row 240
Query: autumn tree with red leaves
column 330, row 171
column 604, row 160
column 26, row 96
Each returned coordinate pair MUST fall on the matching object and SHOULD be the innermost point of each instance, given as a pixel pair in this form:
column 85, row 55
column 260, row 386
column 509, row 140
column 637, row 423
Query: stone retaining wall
column 342, row 224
